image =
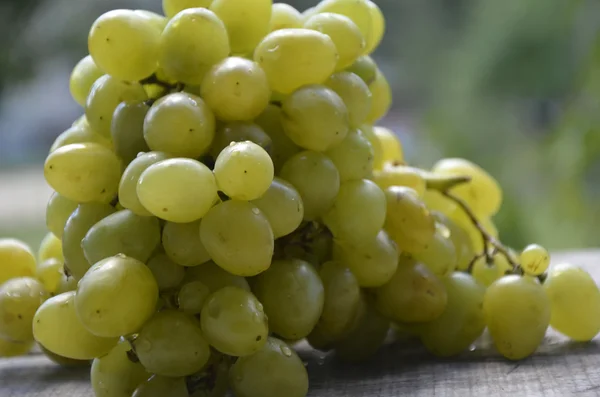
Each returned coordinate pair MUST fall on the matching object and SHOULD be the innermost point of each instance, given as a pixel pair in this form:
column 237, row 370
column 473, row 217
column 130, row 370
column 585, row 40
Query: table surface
column 559, row 368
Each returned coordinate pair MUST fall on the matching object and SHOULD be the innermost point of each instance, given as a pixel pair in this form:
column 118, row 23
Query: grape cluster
column 227, row 194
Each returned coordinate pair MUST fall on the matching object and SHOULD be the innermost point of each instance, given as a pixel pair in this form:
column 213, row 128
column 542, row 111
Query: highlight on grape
column 227, row 193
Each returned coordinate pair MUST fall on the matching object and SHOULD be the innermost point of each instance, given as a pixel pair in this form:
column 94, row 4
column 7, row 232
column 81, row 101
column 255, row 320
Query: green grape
column 284, row 16
column 64, row 361
column 315, row 118
column 369, row 133
column 50, row 273
column 347, row 37
column 377, row 27
column 408, row 221
column 293, row 296
column 168, row 274
column 185, row 53
column 84, row 172
column 191, row 297
column 77, row 226
column 373, row 261
column 439, row 255
column 182, row 244
column 309, row 12
column 534, row 259
column 236, row 89
column 180, row 124
column 286, row 373
column 116, row 296
column 158, row 21
column 177, row 190
column 317, row 180
column 358, row 212
column 460, row 239
column 19, row 300
column 171, row 344
column 355, row 94
column 381, row 94
column 247, row 22
column 283, row 207
column 172, row 7
column 214, row 277
column 461, row 323
column 115, row 375
column 233, row 322
column 127, row 130
column 128, row 197
column 482, row 193
column 365, row 68
column 16, row 260
column 122, row 233
column 413, row 295
column 486, row 273
column 357, row 10
column 239, row 132
column 400, row 175
column 83, row 76
column 13, row 349
column 160, row 386
column 282, row 147
column 292, row 58
column 243, row 250
column 574, row 302
column 391, row 145
column 517, row 314
column 58, row 210
column 81, row 133
column 50, row 248
column 66, row 284
column 353, row 157
column 124, row 44
column 57, row 328
column 106, row 94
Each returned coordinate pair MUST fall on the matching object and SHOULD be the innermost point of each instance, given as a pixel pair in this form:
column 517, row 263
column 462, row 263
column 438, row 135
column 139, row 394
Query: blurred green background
column 513, row 85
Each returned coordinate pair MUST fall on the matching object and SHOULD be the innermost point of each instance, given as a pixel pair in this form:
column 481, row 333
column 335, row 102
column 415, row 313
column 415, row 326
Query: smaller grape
column 191, row 297
column 83, row 76
column 127, row 130
column 381, row 97
column 182, row 244
column 172, row 7
column 50, row 273
column 50, row 248
column 486, row 273
column 81, row 133
column 365, row 68
column 534, row 259
column 284, row 16
column 283, row 207
column 12, row 349
column 214, row 277
column 355, row 94
column 392, row 147
column 353, row 157
column 58, row 211
column 400, row 175
column 19, row 300
column 239, row 132
column 16, row 260
column 168, row 274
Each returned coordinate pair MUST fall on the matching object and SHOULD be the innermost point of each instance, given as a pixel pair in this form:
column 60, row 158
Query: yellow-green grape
column 282, row 147
column 16, row 260
column 391, row 145
column 50, row 273
column 246, row 22
column 122, row 233
column 64, row 361
column 158, row 21
column 84, row 172
column 283, row 207
column 177, row 190
column 191, row 297
column 50, row 248
column 365, row 68
column 460, row 238
column 534, row 259
column 358, row 211
column 180, row 124
column 159, row 386
column 57, row 328
column 236, row 89
column 19, row 300
column 377, row 27
column 315, row 118
column 400, row 175
column 58, row 210
column 317, row 180
column 116, row 296
column 369, row 132
column 127, row 130
column 115, row 375
column 517, row 314
column 244, row 171
column 106, row 94
column 413, row 295
column 182, row 244
column 357, row 10
column 353, row 157
column 284, row 16
column 172, row 7
column 81, row 133
column 293, row 296
column 13, row 349
column 66, row 284
column 286, row 373
column 408, row 221
column 486, row 273
column 239, row 131
column 309, row 12
column 124, row 44
column 243, row 250
column 436, row 201
column 171, row 344
column 83, row 76
column 482, row 193
column 355, row 94
column 185, row 53
column 292, row 58
column 373, row 261
column 574, row 302
column 439, row 255
column 168, row 274
column 77, row 226
column 461, row 323
column 233, row 322
column 381, row 97
column 214, row 277
column 128, row 196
